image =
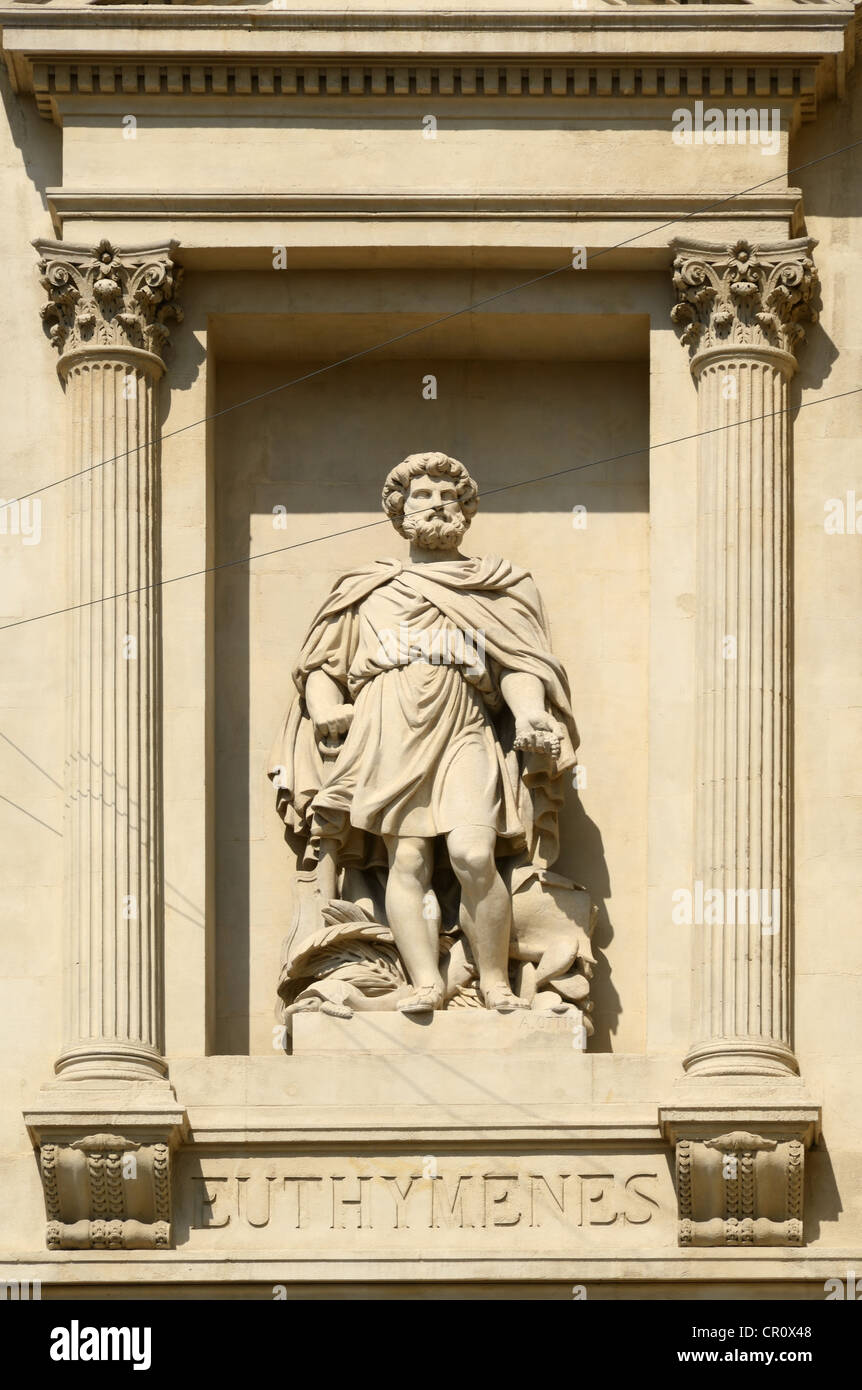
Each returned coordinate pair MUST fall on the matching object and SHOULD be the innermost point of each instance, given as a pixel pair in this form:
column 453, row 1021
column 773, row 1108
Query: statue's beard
column 431, row 534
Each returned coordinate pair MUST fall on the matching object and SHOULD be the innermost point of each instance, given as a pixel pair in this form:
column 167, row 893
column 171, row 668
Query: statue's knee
column 411, row 861
column 472, row 860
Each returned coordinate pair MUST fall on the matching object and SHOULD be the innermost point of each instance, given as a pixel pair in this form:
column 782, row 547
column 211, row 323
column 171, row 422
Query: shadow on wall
column 831, row 189
column 815, row 357
column 39, row 142
column 823, row 1199
column 585, row 862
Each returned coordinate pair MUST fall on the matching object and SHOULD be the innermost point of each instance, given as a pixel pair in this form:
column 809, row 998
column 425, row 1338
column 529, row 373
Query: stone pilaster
column 742, row 310
column 105, row 1141
column 106, row 314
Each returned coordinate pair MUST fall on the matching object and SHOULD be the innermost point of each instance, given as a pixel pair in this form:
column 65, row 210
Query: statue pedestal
column 388, row 1147
column 454, row 1030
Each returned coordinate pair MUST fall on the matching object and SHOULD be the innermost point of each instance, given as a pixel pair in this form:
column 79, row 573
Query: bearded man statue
column 429, row 736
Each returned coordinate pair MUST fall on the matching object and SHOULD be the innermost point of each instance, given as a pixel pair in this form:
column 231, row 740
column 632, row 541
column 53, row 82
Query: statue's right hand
column 333, row 721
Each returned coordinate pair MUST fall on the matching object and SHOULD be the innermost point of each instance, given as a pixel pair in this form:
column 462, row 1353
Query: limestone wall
column 313, row 220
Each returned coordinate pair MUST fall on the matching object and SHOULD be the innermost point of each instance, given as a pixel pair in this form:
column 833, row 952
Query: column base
column 105, row 1061
column 741, row 1057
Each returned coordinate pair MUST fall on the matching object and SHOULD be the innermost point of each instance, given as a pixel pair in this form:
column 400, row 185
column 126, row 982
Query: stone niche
column 516, row 401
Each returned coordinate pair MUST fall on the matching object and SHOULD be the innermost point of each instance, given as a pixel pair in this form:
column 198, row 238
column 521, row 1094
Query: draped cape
column 488, row 596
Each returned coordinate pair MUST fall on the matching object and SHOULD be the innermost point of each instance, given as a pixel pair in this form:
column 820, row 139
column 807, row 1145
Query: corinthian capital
column 108, row 298
column 742, row 295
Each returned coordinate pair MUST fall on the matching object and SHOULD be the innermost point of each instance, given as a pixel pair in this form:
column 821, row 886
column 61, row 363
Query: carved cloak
column 487, row 596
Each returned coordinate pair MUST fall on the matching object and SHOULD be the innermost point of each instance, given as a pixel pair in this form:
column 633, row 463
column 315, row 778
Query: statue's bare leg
column 486, row 912
column 410, row 867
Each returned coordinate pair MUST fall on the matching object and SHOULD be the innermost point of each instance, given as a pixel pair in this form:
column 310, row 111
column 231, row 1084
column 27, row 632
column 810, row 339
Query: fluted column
column 741, row 309
column 106, row 314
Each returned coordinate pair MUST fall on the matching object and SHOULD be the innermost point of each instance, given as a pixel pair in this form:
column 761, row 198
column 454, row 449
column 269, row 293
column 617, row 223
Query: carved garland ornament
column 740, row 1189
column 109, row 298
column 744, row 296
column 106, row 1191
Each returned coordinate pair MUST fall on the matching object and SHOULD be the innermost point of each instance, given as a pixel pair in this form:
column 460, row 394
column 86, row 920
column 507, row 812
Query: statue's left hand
column 538, row 733
column 330, row 728
column 332, row 721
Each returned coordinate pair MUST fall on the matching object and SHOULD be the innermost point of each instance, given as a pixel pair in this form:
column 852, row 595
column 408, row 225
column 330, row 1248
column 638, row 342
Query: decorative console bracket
column 107, row 1176
column 740, row 1171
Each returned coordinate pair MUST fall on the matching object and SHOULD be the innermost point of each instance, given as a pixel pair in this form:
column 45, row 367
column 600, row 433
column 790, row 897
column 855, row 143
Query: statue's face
column 432, row 513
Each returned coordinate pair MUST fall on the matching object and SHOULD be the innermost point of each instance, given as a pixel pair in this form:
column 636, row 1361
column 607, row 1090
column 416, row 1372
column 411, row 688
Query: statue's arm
column 322, row 671
column 523, row 693
column 324, row 700
column 535, row 730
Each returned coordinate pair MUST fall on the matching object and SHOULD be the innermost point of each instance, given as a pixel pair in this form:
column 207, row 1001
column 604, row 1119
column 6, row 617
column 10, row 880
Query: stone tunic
column 419, row 650
column 421, row 756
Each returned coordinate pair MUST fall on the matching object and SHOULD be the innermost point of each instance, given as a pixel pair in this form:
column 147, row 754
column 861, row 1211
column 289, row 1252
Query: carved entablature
column 106, row 1191
column 107, row 298
column 744, row 296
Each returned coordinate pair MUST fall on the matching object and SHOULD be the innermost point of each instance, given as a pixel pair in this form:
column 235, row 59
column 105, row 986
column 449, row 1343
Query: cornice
column 598, row 18
column 734, row 31
column 796, row 54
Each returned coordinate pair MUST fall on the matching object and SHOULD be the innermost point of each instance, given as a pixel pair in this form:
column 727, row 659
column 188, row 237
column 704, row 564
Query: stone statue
column 419, row 773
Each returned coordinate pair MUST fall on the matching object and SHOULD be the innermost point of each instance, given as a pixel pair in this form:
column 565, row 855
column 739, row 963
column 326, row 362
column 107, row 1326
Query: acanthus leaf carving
column 740, row 295
column 108, row 297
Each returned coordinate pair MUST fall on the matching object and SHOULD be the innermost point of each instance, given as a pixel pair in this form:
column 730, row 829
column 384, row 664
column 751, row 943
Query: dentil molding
column 799, row 55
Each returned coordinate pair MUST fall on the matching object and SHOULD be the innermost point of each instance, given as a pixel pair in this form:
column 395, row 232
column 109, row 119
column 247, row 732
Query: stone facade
column 607, row 257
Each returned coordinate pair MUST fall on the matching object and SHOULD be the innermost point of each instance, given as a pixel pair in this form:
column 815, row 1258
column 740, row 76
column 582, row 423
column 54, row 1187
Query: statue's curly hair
column 435, row 465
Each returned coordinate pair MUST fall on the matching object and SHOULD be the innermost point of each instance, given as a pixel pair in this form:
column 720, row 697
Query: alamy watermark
column 843, row 515
column 439, row 646
column 720, row 907
column 849, row 1288
column 22, row 519
column 735, row 125
column 20, row 1290
column 77, row 1343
